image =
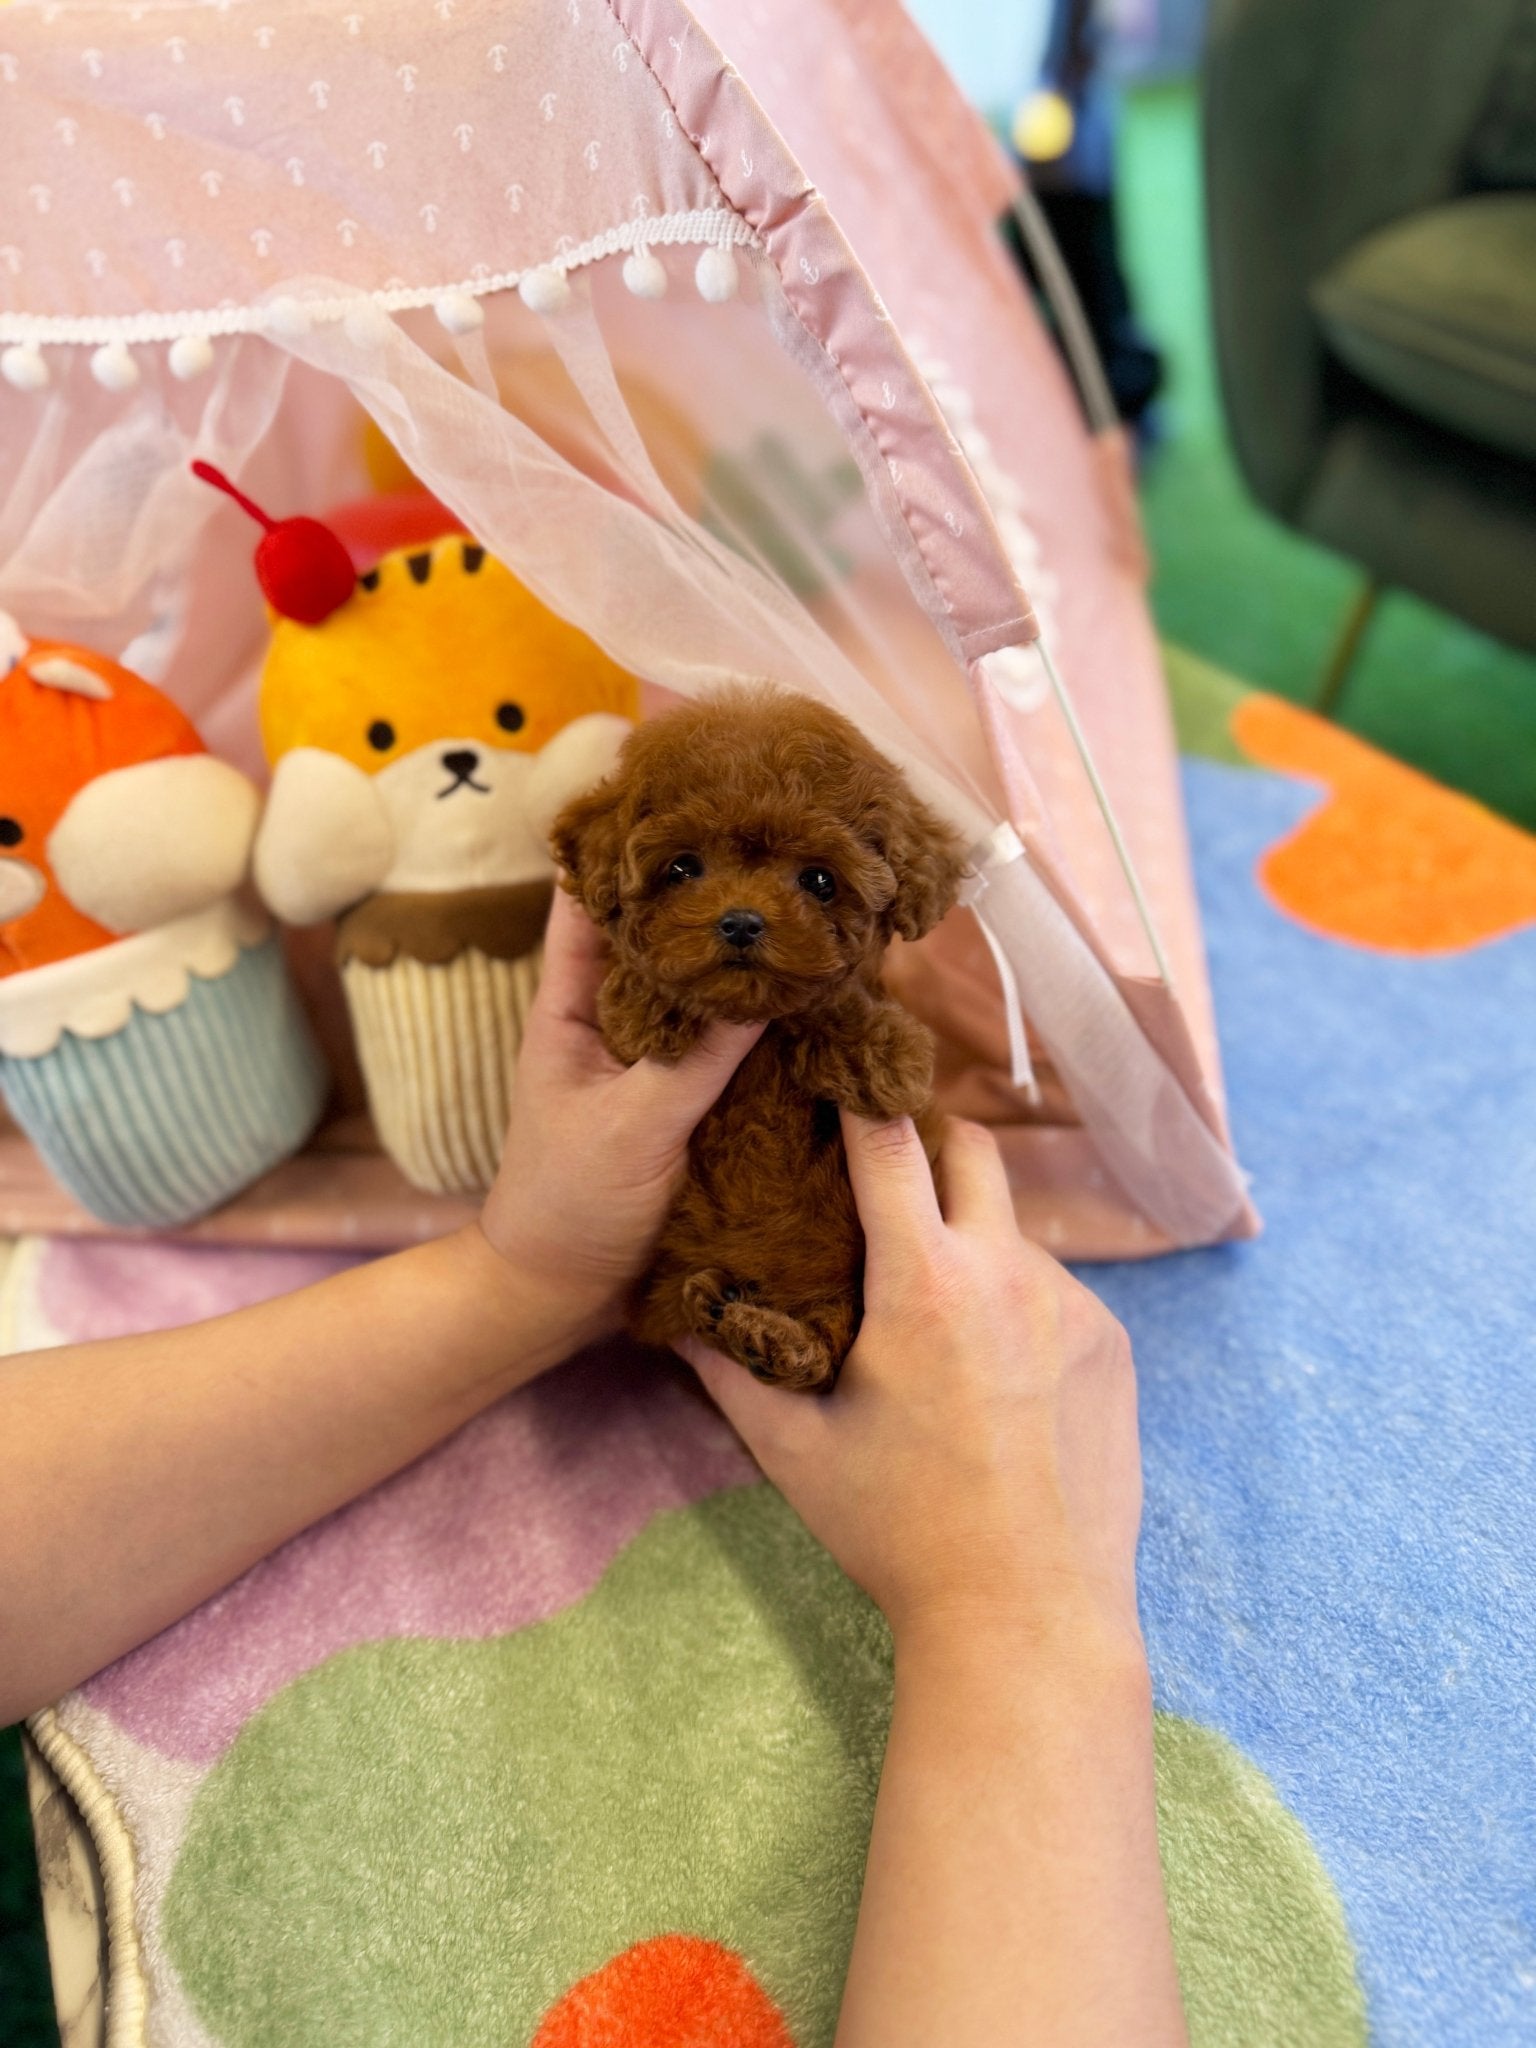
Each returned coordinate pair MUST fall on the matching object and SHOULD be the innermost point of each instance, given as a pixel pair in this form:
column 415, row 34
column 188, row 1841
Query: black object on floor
column 26, row 1992
column 1065, row 139
column 1083, row 224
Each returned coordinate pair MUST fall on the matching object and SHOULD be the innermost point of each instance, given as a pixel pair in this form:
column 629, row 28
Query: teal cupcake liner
column 173, row 1114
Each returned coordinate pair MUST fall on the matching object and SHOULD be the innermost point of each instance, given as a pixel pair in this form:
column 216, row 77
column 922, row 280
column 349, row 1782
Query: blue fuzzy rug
column 1339, row 1564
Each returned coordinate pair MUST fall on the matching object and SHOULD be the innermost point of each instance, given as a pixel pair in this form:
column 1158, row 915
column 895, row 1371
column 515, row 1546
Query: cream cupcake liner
column 438, row 1046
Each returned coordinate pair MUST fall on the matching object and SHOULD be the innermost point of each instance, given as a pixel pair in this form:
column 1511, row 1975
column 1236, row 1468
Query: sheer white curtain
column 687, row 499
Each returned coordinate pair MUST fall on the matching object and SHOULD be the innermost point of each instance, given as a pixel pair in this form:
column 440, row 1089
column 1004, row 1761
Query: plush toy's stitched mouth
column 465, row 782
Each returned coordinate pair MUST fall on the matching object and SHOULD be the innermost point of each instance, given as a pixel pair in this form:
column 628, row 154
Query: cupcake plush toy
column 150, row 1043
column 425, row 722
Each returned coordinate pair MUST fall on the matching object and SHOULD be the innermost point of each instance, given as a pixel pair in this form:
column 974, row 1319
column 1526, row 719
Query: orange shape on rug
column 675, row 1991
column 1391, row 859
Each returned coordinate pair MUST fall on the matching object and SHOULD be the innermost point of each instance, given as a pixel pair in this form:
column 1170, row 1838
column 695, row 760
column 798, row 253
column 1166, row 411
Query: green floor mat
column 1237, row 588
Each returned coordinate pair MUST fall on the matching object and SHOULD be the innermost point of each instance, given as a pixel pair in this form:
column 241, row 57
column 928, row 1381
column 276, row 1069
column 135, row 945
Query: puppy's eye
column 511, row 717
column 10, row 832
column 687, row 867
column 819, row 882
column 381, row 735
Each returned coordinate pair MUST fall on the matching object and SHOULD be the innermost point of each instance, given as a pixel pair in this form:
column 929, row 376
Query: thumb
column 761, row 1416
column 677, row 1096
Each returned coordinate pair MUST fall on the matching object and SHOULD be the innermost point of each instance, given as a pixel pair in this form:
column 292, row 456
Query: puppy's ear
column 587, row 839
column 925, row 857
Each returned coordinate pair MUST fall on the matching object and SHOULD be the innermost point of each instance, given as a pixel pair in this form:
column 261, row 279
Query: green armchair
column 1371, row 213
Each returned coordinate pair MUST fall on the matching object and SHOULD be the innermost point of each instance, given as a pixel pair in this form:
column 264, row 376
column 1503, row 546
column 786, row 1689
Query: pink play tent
column 698, row 319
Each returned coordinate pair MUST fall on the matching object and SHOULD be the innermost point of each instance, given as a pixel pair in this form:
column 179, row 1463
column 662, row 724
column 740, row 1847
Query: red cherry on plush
column 304, row 571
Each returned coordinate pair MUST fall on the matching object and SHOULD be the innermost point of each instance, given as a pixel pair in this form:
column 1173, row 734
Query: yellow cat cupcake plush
column 425, row 721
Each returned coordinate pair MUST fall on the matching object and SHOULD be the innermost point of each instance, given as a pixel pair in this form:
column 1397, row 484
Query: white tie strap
column 1168, row 1159
column 1001, row 846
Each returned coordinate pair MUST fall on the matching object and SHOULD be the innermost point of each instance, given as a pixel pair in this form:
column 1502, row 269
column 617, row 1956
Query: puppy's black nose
column 740, row 927
column 461, row 761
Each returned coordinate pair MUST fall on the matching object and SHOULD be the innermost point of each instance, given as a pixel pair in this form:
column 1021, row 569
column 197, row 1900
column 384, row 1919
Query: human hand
column 594, row 1149
column 977, row 1465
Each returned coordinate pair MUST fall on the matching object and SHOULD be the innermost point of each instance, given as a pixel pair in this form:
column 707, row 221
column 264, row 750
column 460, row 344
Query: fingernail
column 732, row 1035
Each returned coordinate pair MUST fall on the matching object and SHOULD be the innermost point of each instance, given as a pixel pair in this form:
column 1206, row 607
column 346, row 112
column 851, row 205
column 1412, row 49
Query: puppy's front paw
column 884, row 1094
column 706, row 1296
column 892, row 1074
column 637, row 1024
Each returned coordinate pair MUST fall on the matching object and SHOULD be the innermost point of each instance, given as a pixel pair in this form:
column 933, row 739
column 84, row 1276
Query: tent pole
column 1071, row 322
column 1106, row 811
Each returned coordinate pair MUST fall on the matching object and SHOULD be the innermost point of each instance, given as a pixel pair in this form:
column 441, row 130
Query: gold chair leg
column 1342, row 657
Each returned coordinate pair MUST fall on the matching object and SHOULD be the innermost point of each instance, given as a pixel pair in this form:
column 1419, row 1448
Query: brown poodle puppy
column 750, row 857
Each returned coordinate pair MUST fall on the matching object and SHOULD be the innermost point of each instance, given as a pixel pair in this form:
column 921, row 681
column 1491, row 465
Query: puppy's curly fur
column 751, row 857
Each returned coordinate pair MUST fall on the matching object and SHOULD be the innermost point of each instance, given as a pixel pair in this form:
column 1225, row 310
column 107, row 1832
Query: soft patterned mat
column 570, row 1735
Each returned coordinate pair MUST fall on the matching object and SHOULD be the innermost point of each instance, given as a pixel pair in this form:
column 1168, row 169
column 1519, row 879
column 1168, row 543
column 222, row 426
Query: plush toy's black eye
column 511, row 717
column 381, row 735
column 687, row 867
column 819, row 882
column 10, row 832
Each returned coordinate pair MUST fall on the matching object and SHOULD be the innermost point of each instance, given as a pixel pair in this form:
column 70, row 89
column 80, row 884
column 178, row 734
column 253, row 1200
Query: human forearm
column 139, row 1476
column 1013, row 1891
column 976, row 1470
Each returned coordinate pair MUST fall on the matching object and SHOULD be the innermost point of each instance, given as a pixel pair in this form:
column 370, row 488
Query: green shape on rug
column 1263, row 1948
column 432, row 1841
column 1203, row 698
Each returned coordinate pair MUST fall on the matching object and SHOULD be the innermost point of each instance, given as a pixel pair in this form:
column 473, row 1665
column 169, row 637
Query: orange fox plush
column 69, row 719
column 149, row 1043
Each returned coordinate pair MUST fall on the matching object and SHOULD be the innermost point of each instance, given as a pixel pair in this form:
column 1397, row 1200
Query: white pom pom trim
column 1018, row 675
column 545, row 290
column 289, row 317
column 460, row 312
column 716, row 276
column 23, row 367
column 190, row 355
column 113, row 366
column 645, row 274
